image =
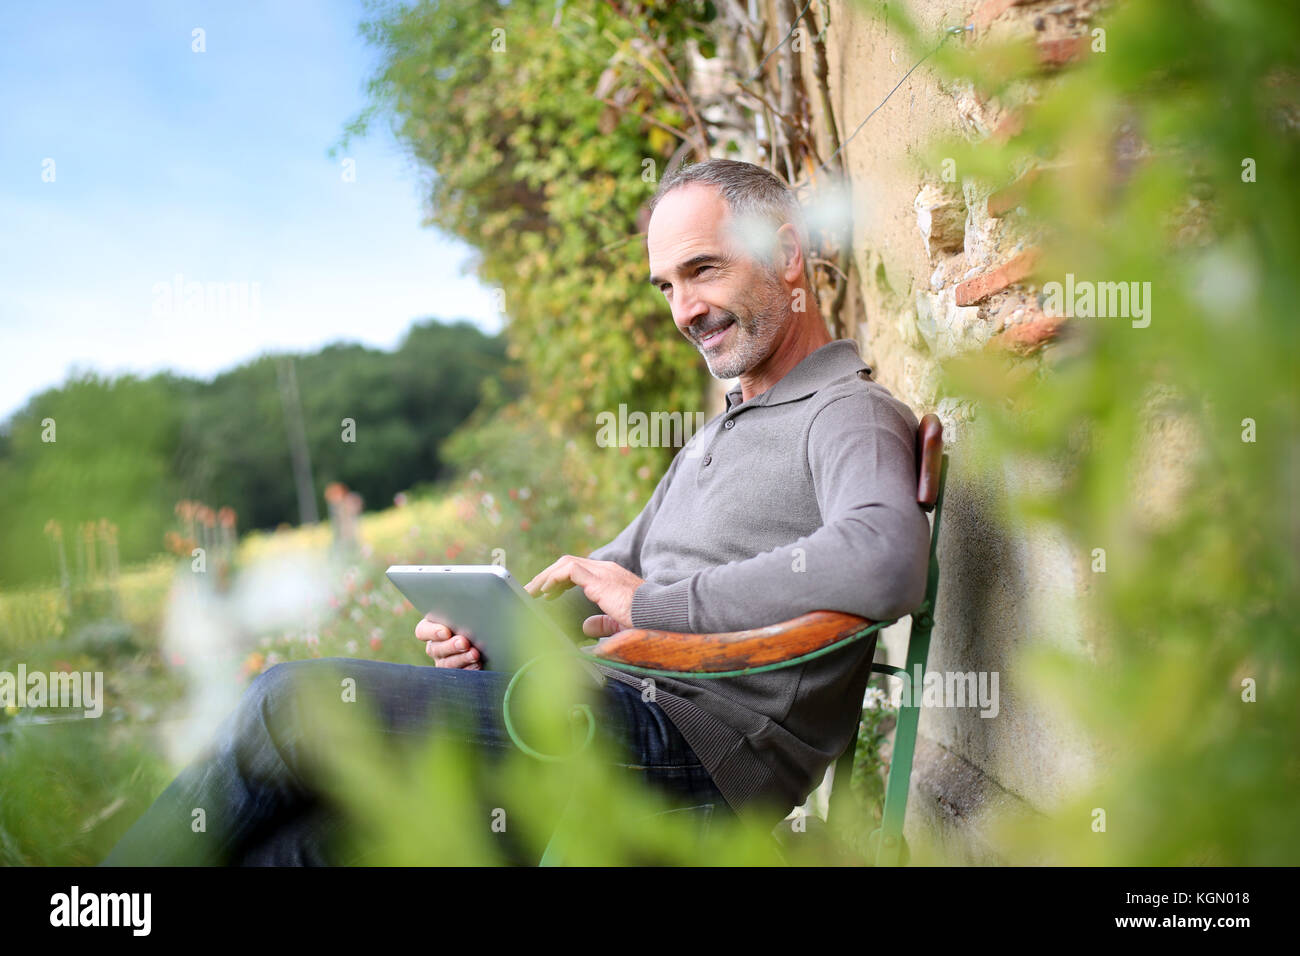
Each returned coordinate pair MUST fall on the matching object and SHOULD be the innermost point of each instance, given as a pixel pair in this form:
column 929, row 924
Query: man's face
column 730, row 305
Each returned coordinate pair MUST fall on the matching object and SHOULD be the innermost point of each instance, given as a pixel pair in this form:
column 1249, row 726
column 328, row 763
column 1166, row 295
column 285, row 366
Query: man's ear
column 789, row 254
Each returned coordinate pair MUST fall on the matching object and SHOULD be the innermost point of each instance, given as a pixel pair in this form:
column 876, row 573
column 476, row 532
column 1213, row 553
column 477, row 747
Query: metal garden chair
column 695, row 656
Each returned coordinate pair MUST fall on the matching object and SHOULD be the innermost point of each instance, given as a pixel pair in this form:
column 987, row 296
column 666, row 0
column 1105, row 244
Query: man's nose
column 688, row 309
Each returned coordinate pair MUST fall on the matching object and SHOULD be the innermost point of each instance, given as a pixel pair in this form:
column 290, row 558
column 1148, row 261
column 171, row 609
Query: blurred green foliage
column 1170, row 156
column 65, row 788
column 127, row 449
column 443, row 801
column 502, row 105
column 405, row 404
column 112, row 454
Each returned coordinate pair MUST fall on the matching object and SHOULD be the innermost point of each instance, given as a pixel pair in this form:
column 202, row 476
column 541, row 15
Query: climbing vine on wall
column 544, row 130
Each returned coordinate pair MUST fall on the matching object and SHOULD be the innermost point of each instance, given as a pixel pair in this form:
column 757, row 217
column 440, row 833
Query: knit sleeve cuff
column 663, row 607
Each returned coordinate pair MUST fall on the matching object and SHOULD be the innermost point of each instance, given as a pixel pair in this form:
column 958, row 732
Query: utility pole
column 293, row 426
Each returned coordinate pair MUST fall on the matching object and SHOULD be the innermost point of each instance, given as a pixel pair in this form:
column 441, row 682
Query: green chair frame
column 887, row 844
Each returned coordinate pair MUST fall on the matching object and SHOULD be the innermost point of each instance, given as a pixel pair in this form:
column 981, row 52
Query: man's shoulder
column 856, row 395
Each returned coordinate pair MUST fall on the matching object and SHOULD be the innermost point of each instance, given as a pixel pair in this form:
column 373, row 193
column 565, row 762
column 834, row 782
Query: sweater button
column 729, row 423
column 707, row 459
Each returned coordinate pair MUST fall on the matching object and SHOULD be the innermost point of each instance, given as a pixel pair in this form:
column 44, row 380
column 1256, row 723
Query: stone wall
column 940, row 268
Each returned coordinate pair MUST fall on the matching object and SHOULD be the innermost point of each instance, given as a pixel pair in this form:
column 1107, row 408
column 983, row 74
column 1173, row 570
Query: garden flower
column 252, row 665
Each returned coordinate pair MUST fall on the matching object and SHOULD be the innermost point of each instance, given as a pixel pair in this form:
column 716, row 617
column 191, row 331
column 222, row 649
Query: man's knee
column 279, row 691
column 272, row 682
column 294, row 676
column 277, row 723
column 273, row 685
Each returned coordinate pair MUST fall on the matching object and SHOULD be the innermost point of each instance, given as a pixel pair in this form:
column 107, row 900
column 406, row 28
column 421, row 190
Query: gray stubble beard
column 754, row 336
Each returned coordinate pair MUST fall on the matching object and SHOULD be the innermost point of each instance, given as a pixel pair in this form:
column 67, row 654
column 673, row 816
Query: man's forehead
column 694, row 221
column 689, row 220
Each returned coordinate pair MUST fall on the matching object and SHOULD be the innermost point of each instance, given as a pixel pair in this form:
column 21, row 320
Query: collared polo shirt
column 801, row 499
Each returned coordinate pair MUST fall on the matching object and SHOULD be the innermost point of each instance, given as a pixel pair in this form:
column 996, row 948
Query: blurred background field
column 61, row 790
column 70, row 785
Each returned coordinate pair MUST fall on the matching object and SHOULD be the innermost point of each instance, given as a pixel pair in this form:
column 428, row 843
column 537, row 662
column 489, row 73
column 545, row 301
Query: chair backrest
column 929, row 461
column 887, row 844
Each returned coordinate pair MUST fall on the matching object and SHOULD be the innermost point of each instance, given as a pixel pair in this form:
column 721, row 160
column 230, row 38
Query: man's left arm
column 869, row 558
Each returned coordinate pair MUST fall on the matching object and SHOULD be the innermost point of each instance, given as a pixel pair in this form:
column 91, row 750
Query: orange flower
column 253, row 664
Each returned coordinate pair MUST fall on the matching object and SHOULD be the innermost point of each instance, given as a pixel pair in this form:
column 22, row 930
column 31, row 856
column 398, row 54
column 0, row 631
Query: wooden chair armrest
column 730, row 651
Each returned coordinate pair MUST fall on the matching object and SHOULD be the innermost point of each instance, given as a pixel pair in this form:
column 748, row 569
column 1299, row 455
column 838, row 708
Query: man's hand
column 601, row 625
column 447, row 649
column 608, row 585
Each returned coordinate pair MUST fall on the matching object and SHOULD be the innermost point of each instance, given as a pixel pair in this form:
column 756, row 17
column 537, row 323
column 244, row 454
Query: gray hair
column 755, row 197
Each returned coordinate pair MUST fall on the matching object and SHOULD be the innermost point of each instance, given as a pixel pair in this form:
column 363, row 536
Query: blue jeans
column 254, row 783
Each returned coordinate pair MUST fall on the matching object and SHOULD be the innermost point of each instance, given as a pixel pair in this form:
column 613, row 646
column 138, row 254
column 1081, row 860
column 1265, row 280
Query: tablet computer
column 488, row 606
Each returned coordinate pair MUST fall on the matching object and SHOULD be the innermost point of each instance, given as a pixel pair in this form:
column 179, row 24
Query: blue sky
column 210, row 166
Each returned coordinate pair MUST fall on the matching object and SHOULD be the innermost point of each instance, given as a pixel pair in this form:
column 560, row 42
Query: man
column 801, row 496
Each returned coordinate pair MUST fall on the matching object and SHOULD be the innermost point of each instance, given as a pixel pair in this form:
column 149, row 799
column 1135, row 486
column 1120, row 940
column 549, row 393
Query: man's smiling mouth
column 714, row 337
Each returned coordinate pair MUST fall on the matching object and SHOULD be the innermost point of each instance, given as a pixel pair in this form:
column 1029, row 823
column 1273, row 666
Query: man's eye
column 701, row 269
